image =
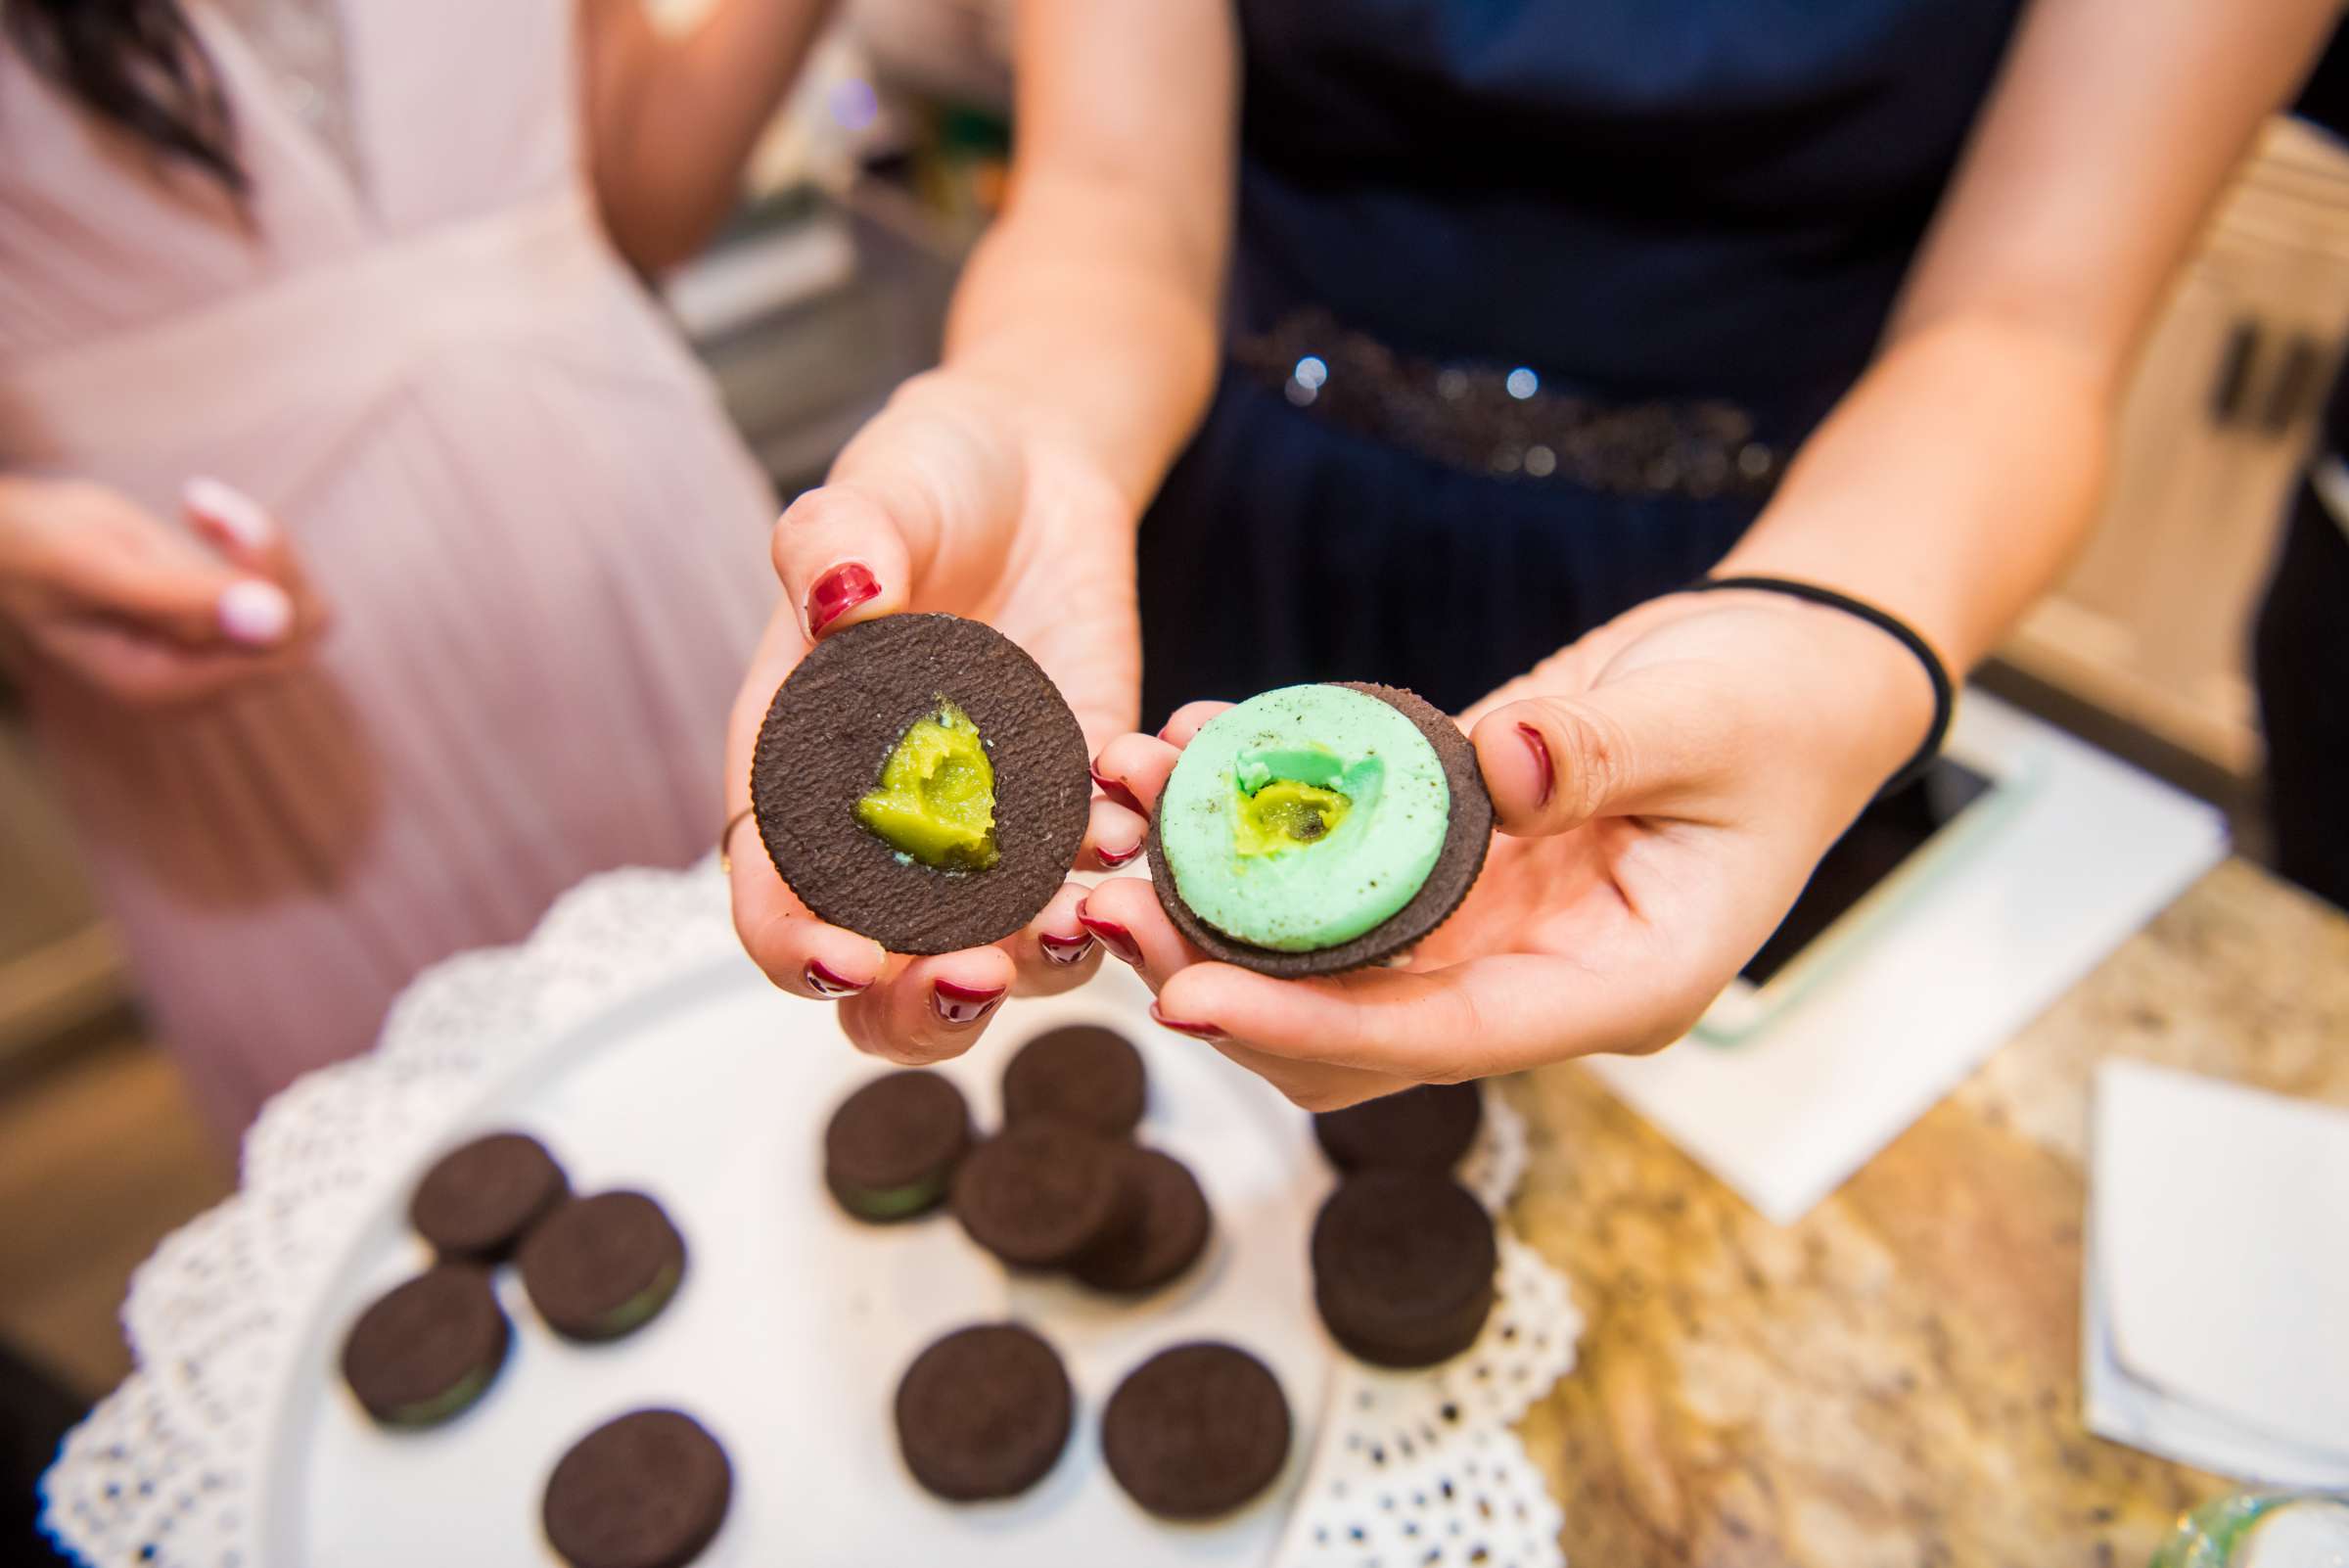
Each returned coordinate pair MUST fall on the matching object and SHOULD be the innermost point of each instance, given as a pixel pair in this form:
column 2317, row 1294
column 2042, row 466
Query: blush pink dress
column 544, row 544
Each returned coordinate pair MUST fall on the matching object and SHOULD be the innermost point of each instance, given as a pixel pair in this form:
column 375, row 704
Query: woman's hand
column 97, row 588
column 945, row 503
column 1663, row 789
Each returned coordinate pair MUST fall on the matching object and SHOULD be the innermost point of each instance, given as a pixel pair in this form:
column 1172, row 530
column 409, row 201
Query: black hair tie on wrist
column 1945, row 690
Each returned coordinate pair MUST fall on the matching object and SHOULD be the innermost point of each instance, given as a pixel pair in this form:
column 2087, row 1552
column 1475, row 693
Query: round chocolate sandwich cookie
column 600, row 1267
column 428, row 1350
column 1196, row 1431
column 892, row 1147
column 1037, row 1194
column 1079, row 1072
column 646, row 1489
column 920, row 779
column 1166, row 1236
column 478, row 1200
column 1403, row 1266
column 1423, row 1128
column 1318, row 828
column 984, row 1412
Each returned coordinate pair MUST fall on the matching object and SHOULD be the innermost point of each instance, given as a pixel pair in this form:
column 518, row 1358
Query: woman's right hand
column 94, row 586
column 947, row 501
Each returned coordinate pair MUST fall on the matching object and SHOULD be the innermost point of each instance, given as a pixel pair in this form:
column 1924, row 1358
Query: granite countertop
column 1895, row 1380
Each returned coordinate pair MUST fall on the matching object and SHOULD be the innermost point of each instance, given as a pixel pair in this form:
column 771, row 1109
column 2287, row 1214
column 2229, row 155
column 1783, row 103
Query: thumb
column 841, row 558
column 1634, row 747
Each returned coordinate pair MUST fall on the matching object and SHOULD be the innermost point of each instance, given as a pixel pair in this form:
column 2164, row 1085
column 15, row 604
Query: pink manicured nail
column 1116, row 938
column 960, row 1005
column 1118, row 793
column 232, row 511
column 837, row 592
column 1195, row 1030
column 824, row 982
column 1540, row 749
column 1117, row 858
column 255, row 612
column 1066, row 949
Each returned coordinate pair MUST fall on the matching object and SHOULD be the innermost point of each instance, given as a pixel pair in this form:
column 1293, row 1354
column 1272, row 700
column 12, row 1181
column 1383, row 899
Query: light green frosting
column 1306, row 896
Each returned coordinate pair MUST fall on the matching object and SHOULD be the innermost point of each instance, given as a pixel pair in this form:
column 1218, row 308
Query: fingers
column 799, row 952
column 244, row 533
column 1490, row 1015
column 1644, row 744
column 139, row 670
column 1124, row 916
column 1113, row 836
column 1179, row 729
column 1314, row 1087
column 1133, row 768
column 931, row 1009
column 1055, row 953
column 841, row 559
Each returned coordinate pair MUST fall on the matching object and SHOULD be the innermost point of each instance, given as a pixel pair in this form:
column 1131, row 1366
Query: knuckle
column 1591, row 757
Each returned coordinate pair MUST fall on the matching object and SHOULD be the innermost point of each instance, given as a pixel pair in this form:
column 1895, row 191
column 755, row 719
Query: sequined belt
column 1500, row 420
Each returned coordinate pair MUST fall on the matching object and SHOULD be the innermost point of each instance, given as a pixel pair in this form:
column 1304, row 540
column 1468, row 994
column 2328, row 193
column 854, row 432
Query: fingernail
column 234, row 512
column 1117, row 858
column 824, row 982
column 1195, row 1030
column 1116, row 938
column 1541, row 750
column 1066, row 949
column 255, row 612
column 837, row 592
column 1118, row 793
column 960, row 1005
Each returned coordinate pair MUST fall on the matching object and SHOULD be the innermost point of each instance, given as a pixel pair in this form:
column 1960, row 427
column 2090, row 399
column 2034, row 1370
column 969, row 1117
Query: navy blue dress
column 1633, row 199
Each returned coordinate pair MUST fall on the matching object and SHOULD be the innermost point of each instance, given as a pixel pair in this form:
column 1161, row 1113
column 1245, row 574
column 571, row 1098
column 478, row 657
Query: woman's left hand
column 1663, row 789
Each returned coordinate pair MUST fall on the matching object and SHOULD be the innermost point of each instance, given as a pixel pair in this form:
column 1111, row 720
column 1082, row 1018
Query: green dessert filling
column 1304, row 817
column 640, row 1308
column 935, row 801
column 896, row 1203
column 447, row 1406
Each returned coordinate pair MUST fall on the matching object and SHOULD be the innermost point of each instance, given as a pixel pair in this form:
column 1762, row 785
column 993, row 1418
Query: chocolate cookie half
column 428, row 1350
column 1166, row 1234
column 477, row 1199
column 599, row 1268
column 984, row 1412
column 1196, row 1431
column 1301, row 833
column 1423, row 1128
column 1403, row 1266
column 920, row 779
column 1037, row 1194
column 892, row 1147
column 646, row 1489
column 1081, row 1073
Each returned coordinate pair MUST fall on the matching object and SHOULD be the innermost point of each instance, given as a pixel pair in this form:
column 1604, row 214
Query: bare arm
column 671, row 119
column 1092, row 303
column 1952, row 483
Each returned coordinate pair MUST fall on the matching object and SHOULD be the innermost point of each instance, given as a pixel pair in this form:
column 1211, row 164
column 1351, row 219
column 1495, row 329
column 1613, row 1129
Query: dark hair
column 136, row 65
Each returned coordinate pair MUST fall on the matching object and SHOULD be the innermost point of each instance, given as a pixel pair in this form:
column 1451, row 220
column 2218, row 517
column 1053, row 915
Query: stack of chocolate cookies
column 1404, row 1258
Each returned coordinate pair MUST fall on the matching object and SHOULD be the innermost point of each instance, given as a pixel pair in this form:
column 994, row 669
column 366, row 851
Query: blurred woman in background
column 334, row 284
column 1537, row 312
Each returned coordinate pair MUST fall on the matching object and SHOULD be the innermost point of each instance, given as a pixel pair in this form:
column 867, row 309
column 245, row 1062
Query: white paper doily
column 183, row 1467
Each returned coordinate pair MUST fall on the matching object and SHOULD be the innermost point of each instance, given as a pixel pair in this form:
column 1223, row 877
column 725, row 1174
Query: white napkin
column 2215, row 1321
column 2087, row 849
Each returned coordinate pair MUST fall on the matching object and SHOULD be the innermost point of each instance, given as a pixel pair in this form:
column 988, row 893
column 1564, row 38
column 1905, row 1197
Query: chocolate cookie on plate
column 428, row 1350
column 891, row 1150
column 984, row 1412
column 646, row 1489
column 478, row 1200
column 1196, row 1431
column 1404, row 1267
column 602, row 1267
column 1079, row 1072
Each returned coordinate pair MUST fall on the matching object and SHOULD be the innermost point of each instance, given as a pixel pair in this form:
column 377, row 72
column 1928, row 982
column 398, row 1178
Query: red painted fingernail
column 1195, row 1030
column 1116, row 938
column 837, row 592
column 824, row 982
column 1118, row 793
column 1066, row 949
column 1541, row 750
column 1114, row 861
column 960, row 1005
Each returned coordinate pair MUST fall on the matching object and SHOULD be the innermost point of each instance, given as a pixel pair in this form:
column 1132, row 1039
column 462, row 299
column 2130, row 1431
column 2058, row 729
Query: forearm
column 1951, row 485
column 672, row 119
column 1091, row 311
